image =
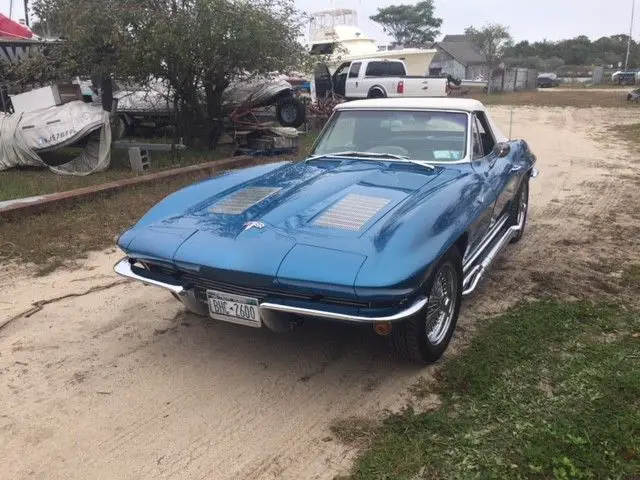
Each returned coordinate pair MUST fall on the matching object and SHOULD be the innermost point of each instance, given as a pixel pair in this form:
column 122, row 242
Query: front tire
column 424, row 338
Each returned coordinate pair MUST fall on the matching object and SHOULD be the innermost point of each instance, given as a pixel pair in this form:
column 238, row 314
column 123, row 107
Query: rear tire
column 376, row 93
column 424, row 338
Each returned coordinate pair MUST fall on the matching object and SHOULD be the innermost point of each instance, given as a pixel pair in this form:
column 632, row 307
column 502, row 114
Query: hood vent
column 351, row 212
column 239, row 201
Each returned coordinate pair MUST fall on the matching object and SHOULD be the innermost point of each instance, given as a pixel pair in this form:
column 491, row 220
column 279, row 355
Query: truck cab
column 382, row 78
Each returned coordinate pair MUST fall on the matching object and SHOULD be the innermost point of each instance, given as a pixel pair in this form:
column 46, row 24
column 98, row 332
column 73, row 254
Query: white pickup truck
column 381, row 78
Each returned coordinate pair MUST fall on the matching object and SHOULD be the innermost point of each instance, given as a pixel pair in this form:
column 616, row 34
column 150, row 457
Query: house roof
column 455, row 38
column 463, row 52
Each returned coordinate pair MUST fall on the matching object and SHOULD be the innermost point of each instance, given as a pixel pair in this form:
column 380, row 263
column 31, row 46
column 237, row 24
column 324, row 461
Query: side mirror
column 502, row 149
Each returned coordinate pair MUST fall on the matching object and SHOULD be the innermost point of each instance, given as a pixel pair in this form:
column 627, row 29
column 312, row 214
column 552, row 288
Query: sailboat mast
column 633, row 9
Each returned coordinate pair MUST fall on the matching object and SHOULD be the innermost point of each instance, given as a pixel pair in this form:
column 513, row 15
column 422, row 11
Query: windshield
column 432, row 136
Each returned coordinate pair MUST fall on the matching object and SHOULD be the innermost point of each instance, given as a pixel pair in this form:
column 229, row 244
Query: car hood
column 323, row 212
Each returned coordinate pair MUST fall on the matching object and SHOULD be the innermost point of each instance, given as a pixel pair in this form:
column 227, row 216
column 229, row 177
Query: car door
column 340, row 79
column 503, row 175
column 352, row 88
column 484, row 201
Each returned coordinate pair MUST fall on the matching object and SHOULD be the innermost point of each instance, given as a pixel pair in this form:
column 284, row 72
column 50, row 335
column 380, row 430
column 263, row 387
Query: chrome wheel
column 424, row 338
column 523, row 205
column 441, row 307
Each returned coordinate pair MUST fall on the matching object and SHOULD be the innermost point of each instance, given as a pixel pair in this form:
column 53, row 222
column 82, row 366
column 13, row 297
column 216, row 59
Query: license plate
column 234, row 308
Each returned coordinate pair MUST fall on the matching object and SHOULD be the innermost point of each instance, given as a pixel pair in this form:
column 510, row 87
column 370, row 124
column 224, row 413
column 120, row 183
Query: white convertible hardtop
column 432, row 103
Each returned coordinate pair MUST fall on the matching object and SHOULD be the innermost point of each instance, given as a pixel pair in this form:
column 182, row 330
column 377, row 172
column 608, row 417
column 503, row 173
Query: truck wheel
column 424, row 338
column 376, row 93
column 291, row 112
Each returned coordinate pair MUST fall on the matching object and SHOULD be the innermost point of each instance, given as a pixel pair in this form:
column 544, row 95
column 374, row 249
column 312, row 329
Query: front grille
column 200, row 284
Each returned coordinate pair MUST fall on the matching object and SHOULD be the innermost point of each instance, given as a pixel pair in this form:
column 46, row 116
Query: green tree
column 410, row 25
column 576, row 51
column 491, row 40
column 196, row 47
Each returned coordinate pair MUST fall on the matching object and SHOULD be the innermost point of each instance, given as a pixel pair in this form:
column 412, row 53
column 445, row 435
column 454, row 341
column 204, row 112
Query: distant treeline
column 550, row 56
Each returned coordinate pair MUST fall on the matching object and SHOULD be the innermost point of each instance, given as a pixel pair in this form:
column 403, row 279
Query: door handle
column 516, row 168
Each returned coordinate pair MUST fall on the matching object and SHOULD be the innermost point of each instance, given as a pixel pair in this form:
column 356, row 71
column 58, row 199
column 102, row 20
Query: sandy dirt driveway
column 117, row 381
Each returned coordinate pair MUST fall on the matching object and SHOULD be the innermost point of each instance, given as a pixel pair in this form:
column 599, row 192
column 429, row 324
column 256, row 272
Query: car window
column 355, row 70
column 385, row 69
column 476, row 139
column 342, row 70
column 420, row 135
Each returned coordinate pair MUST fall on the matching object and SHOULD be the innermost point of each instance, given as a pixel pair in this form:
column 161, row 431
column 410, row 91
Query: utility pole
column 10, row 9
column 633, row 9
column 26, row 12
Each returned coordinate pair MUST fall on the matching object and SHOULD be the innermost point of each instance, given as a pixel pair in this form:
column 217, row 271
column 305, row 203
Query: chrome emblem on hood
column 250, row 225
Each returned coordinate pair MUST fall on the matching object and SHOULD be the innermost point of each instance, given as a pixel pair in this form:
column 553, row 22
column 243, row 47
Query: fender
column 419, row 233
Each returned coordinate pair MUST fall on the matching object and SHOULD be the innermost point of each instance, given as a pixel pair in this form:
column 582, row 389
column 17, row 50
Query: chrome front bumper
column 124, row 268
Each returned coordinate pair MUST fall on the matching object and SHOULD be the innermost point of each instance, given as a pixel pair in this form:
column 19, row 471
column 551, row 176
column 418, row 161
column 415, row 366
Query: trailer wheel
column 291, row 112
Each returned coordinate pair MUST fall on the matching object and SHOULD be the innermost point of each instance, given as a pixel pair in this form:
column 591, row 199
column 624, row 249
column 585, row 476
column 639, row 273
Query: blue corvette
column 397, row 213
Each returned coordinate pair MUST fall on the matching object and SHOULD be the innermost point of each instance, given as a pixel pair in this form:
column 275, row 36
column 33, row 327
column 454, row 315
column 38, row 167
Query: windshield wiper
column 354, row 153
column 421, row 163
column 377, row 155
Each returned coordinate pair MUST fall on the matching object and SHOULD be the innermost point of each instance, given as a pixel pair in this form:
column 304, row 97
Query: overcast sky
column 527, row 19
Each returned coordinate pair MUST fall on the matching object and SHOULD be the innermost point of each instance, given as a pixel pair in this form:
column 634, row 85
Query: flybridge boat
column 334, row 33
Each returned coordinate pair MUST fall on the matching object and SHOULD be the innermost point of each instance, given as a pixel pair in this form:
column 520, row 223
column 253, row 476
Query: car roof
column 433, row 103
column 466, row 105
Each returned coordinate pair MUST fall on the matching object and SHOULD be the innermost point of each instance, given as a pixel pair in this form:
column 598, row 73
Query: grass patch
column 550, row 390
column 67, row 233
column 631, row 277
column 579, row 98
column 629, row 133
column 355, row 431
column 27, row 182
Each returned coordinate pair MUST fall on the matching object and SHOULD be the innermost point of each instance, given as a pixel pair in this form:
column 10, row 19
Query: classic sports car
column 397, row 213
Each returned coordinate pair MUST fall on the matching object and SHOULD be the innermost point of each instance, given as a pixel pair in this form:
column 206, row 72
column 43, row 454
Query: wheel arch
column 378, row 88
column 461, row 243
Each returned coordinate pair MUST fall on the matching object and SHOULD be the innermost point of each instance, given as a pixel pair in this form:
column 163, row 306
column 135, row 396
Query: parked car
column 625, row 78
column 382, row 78
column 548, row 80
column 397, row 213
